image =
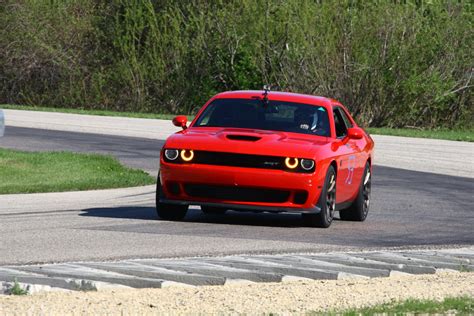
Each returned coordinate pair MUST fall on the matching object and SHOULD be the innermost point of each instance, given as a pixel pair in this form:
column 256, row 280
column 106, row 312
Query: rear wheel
column 213, row 210
column 327, row 203
column 170, row 212
column 360, row 207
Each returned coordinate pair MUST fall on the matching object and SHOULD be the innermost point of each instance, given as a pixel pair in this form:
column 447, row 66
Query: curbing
column 244, row 269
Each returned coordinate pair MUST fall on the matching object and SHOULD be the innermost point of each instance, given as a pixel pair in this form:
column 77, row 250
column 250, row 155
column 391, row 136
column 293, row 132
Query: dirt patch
column 251, row 298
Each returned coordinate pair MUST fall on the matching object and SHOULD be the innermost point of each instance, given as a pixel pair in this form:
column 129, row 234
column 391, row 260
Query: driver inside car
column 308, row 121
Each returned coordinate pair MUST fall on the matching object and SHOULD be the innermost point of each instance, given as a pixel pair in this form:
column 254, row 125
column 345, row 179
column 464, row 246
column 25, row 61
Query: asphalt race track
column 409, row 209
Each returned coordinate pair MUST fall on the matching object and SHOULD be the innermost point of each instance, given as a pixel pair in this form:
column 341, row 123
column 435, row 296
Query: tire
column 213, row 210
column 327, row 202
column 360, row 207
column 170, row 212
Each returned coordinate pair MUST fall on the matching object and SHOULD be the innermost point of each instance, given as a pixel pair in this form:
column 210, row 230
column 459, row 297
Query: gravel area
column 291, row 297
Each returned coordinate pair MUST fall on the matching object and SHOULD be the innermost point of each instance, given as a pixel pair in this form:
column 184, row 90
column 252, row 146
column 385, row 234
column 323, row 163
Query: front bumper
column 295, row 192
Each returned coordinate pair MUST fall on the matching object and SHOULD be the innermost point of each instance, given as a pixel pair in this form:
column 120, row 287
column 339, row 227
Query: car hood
column 248, row 141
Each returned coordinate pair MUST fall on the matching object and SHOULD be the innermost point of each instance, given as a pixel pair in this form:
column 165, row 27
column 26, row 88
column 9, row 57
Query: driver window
column 341, row 128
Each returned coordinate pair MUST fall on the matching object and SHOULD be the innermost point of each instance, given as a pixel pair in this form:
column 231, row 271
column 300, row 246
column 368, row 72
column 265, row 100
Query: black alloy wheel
column 327, row 203
column 359, row 209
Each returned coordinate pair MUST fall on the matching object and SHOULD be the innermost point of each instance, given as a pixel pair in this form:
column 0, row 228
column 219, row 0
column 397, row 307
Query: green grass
column 89, row 112
column 17, row 289
column 459, row 305
column 28, row 172
column 466, row 135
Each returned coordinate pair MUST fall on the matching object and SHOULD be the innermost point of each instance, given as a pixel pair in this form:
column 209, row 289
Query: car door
column 357, row 146
column 349, row 174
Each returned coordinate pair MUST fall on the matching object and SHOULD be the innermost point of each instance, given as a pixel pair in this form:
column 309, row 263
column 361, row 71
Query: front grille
column 239, row 160
column 240, row 194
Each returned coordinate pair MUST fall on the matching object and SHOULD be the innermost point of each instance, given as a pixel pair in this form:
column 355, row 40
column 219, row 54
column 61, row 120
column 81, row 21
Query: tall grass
column 393, row 63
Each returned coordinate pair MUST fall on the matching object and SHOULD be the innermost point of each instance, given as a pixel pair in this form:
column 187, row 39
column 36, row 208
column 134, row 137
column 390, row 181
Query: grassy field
column 455, row 306
column 460, row 135
column 28, row 172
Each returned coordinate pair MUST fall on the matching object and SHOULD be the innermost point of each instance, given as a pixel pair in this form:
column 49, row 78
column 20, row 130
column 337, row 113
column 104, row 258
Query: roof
column 278, row 96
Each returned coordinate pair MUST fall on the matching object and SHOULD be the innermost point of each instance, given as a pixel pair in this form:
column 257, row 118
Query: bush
column 393, row 63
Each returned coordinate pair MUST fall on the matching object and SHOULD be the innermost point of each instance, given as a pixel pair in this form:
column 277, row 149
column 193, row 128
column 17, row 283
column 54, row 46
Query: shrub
column 393, row 63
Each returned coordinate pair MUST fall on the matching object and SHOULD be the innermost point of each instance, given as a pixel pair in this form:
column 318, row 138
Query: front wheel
column 360, row 207
column 170, row 212
column 327, row 203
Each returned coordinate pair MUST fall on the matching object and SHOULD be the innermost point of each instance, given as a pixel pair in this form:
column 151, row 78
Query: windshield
column 276, row 116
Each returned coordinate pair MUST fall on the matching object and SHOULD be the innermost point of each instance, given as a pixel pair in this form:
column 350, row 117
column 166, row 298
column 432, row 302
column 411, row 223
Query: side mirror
column 180, row 121
column 355, row 133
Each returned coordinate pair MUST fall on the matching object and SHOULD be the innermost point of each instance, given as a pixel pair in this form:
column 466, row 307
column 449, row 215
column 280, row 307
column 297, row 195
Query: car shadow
column 195, row 215
column 123, row 212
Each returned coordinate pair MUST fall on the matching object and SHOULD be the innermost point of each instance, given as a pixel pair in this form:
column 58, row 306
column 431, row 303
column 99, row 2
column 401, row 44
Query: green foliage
column 17, row 289
column 456, row 306
column 393, row 63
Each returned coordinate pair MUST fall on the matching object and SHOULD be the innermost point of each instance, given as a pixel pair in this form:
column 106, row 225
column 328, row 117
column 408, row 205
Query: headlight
column 187, row 155
column 171, row 154
column 307, row 164
column 291, row 163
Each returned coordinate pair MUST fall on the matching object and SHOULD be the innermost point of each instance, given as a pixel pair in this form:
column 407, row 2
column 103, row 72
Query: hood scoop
column 246, row 138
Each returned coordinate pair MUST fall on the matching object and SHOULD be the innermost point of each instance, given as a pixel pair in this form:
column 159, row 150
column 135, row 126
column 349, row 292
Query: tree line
column 393, row 63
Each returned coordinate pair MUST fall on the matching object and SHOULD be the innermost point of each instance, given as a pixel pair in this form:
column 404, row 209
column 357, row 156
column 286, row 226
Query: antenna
column 266, row 89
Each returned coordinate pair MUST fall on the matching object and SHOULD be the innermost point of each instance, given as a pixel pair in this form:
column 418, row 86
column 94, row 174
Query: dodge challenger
column 266, row 151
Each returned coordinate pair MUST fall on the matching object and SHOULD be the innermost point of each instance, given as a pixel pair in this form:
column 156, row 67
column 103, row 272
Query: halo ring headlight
column 187, row 155
column 291, row 163
column 307, row 164
column 171, row 154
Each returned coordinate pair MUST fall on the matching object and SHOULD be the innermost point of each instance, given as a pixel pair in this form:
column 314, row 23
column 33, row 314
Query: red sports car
column 267, row 151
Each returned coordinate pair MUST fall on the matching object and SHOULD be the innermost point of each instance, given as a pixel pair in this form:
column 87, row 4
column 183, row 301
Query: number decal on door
column 350, row 169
